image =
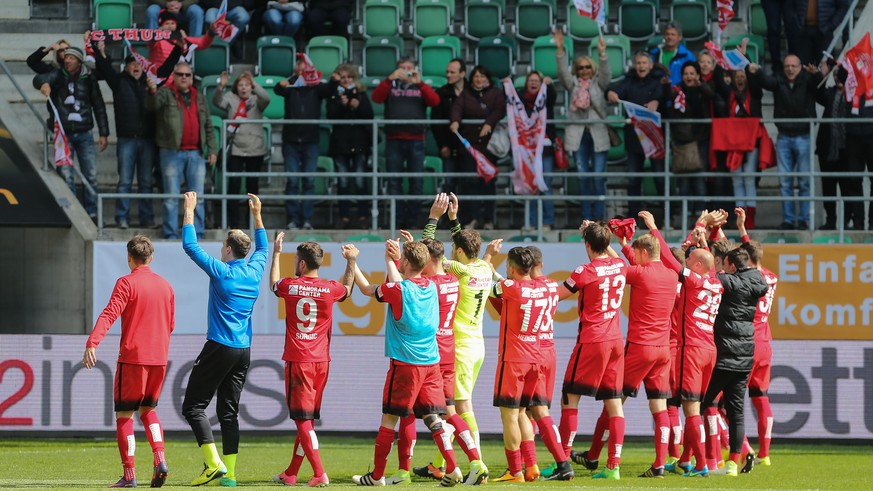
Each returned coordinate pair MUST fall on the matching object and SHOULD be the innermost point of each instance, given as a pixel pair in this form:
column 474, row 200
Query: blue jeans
column 792, row 155
column 83, row 148
column 300, row 157
column 175, row 165
column 352, row 185
column 587, row 160
column 282, row 23
column 237, row 16
column 405, row 156
column 193, row 15
column 548, row 206
column 744, row 186
column 135, row 155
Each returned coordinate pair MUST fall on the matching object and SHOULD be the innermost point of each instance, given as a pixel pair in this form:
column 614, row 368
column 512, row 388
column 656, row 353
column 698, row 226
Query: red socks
column 126, row 444
column 601, row 434
column 694, row 440
column 513, row 460
column 713, row 448
column 569, row 423
column 155, row 434
column 675, row 432
column 444, row 443
column 765, row 424
column 296, row 458
column 529, row 453
column 735, row 457
column 464, row 437
column 551, row 438
column 384, row 442
column 616, row 441
column 406, row 442
column 662, row 437
column 309, row 443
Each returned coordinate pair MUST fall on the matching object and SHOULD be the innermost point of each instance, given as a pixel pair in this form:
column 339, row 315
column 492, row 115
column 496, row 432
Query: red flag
column 725, row 13
column 593, row 9
column 224, row 29
column 679, row 103
column 484, row 167
column 859, row 83
column 150, row 69
column 63, row 155
column 647, row 126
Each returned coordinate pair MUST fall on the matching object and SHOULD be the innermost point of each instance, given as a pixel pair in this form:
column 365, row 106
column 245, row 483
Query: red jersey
column 447, row 292
column 308, row 316
column 146, row 304
column 676, row 317
column 701, row 297
column 526, row 309
column 653, row 293
column 762, row 314
column 600, row 284
column 547, row 329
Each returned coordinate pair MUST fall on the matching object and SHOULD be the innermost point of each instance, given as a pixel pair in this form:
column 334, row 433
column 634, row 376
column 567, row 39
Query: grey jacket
column 573, row 133
column 248, row 141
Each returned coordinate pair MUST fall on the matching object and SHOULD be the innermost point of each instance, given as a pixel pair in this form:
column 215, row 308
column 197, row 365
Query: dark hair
column 459, row 62
column 520, row 258
column 416, row 254
column 468, row 241
column 755, row 251
column 598, row 237
column 140, row 249
column 692, row 64
column 435, row 248
column 720, row 248
column 404, row 59
column 311, row 254
column 239, row 243
column 480, row 69
column 679, row 254
column 738, row 257
column 537, row 255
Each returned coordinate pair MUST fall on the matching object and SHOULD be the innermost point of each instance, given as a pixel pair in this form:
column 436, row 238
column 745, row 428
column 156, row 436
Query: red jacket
column 738, row 136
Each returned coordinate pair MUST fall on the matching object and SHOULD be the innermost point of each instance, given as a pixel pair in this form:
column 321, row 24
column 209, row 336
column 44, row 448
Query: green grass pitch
column 92, row 464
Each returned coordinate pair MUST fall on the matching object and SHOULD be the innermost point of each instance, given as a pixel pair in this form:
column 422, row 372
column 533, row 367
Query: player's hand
column 277, row 244
column 90, row 357
column 494, row 247
column 648, row 219
column 392, row 249
column 439, row 206
column 190, row 201
column 584, row 225
column 453, row 207
column 254, row 204
column 741, row 217
column 700, row 236
column 702, row 217
column 350, row 252
column 719, row 218
column 407, row 237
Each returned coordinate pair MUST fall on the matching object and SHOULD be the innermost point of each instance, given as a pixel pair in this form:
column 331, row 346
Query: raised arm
column 741, row 224
column 350, row 252
column 364, row 285
column 210, row 265
column 667, row 258
column 275, row 274
column 392, row 254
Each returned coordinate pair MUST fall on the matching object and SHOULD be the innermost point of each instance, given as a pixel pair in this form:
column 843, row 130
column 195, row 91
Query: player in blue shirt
column 224, row 361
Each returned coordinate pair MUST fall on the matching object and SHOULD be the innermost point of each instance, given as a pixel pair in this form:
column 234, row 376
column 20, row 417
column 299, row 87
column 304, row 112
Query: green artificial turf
column 92, row 464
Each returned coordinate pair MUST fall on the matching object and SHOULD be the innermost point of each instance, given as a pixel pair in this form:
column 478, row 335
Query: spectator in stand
column 777, row 12
column 479, row 100
column 160, row 51
column 405, row 97
column 303, row 93
column 830, row 145
column 75, row 93
column 283, row 17
column 237, row 14
column 713, row 75
column 641, row 85
column 859, row 150
column 183, row 134
column 448, row 143
column 135, row 127
column 532, row 85
column 337, row 12
column 587, row 85
column 350, row 144
column 697, row 105
column 36, row 63
column 815, row 22
column 672, row 53
column 244, row 142
column 794, row 93
column 189, row 15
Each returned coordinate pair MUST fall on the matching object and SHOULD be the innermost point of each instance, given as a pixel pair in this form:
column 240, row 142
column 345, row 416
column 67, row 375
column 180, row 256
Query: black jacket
column 698, row 105
column 87, row 94
column 35, row 61
column 728, row 94
column 795, row 100
column 303, row 103
column 829, row 12
column 441, row 132
column 639, row 91
column 733, row 329
column 132, row 120
column 346, row 139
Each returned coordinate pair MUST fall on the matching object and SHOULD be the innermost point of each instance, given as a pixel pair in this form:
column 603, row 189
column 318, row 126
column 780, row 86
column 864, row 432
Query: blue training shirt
column 233, row 289
column 412, row 338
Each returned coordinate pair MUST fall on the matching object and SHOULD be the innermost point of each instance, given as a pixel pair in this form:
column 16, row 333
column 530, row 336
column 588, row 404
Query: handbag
column 561, row 160
column 499, row 144
column 614, row 137
column 686, row 158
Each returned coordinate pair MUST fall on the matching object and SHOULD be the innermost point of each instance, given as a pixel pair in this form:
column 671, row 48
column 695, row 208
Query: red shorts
column 693, row 371
column 759, row 379
column 549, row 367
column 416, row 389
column 137, row 386
column 448, row 375
column 649, row 365
column 596, row 370
column 304, row 388
column 519, row 385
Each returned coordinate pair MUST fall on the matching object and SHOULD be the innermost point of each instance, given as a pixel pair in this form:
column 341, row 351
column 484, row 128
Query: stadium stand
column 277, row 55
column 484, row 18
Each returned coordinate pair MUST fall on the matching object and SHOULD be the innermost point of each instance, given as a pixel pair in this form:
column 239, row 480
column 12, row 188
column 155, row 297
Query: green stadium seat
column 756, row 21
column 780, row 239
column 212, row 60
column 312, row 238
column 113, row 14
column 276, row 108
column 831, row 239
column 618, row 49
column 365, row 238
column 433, row 18
column 543, row 55
column 538, row 15
column 498, row 54
column 519, row 82
column 523, row 238
column 434, row 53
column 434, row 81
column 693, row 16
column 277, row 55
column 208, row 86
column 754, row 50
column 327, row 52
column 573, row 239
column 582, row 28
column 484, row 18
column 382, row 18
column 380, row 55
column 430, row 145
column 638, row 19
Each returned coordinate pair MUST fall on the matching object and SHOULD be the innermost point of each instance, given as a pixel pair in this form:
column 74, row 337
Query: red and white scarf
column 242, row 112
column 527, row 134
column 63, row 154
column 582, row 96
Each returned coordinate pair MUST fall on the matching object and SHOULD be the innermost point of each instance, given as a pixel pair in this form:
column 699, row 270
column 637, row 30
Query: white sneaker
column 307, row 226
column 367, row 480
column 292, row 225
column 478, row 473
column 452, row 478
